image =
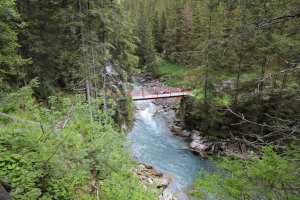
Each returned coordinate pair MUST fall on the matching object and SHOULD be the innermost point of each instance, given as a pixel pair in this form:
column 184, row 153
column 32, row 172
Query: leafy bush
column 271, row 177
column 124, row 187
column 61, row 164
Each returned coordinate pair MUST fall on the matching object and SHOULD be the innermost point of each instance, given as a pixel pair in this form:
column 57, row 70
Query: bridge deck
column 159, row 96
column 156, row 93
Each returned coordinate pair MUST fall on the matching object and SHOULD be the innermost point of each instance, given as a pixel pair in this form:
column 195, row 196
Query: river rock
column 181, row 195
column 176, row 129
column 185, row 133
column 148, row 166
column 169, row 117
column 200, row 148
column 142, row 166
column 166, row 195
column 185, row 147
column 142, row 177
column 178, row 122
column 150, row 181
column 154, row 172
column 195, row 137
column 196, row 132
column 163, row 182
column 156, row 109
column 197, row 146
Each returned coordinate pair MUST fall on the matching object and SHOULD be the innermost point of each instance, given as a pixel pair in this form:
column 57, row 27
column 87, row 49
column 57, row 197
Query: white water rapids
column 153, row 143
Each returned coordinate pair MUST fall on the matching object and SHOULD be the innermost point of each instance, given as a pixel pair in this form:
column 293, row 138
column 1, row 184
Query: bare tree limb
column 280, row 131
column 19, row 119
column 275, row 74
column 17, row 128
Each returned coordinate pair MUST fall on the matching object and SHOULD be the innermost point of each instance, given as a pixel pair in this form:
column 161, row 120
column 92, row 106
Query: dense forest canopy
column 241, row 61
column 60, row 135
column 60, row 61
column 243, row 54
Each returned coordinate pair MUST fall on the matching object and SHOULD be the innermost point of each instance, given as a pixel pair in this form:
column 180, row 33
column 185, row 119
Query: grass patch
column 173, row 73
column 198, row 93
column 225, row 99
column 163, row 67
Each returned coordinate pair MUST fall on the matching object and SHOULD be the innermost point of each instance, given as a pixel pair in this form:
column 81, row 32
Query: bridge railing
column 153, row 91
column 158, row 91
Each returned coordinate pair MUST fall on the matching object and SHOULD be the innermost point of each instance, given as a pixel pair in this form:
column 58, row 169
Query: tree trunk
column 89, row 99
column 260, row 90
column 207, row 60
column 237, row 85
column 298, row 78
column 104, row 74
column 87, row 81
column 95, row 74
column 206, row 79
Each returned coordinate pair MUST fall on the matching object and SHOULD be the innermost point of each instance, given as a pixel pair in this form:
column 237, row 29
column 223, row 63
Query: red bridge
column 159, row 93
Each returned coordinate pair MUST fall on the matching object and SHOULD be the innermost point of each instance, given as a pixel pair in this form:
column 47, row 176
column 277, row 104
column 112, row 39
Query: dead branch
column 17, row 128
column 281, row 131
column 19, row 119
column 266, row 22
column 275, row 74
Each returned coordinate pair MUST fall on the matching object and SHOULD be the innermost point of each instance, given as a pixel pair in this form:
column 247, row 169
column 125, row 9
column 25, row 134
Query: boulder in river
column 176, row 129
column 154, row 172
column 150, row 169
column 163, row 182
column 185, row 133
column 156, row 109
column 185, row 147
column 195, row 137
column 197, row 146
column 142, row 166
column 166, row 195
column 148, row 166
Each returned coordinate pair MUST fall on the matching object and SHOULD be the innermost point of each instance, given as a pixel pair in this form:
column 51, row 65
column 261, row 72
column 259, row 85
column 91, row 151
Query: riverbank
column 205, row 145
column 153, row 143
column 155, row 181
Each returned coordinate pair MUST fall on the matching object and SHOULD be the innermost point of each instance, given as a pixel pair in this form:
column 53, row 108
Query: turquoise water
column 153, row 143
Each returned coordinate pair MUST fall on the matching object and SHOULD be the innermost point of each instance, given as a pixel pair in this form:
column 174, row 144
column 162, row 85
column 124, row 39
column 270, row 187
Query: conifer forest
column 70, row 127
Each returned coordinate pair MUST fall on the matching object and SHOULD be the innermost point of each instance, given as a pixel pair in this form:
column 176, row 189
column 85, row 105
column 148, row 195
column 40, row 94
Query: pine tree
column 145, row 50
column 157, row 33
column 186, row 25
column 207, row 15
column 163, row 27
column 10, row 59
column 173, row 32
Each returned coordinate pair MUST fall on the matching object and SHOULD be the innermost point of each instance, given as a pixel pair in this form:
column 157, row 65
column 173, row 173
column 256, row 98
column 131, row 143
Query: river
column 153, row 143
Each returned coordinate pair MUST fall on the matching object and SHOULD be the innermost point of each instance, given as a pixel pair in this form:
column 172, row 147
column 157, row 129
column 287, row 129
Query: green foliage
column 173, row 32
column 212, row 138
column 271, row 177
column 145, row 50
column 61, row 164
column 173, row 73
column 214, row 49
column 10, row 59
column 124, row 187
